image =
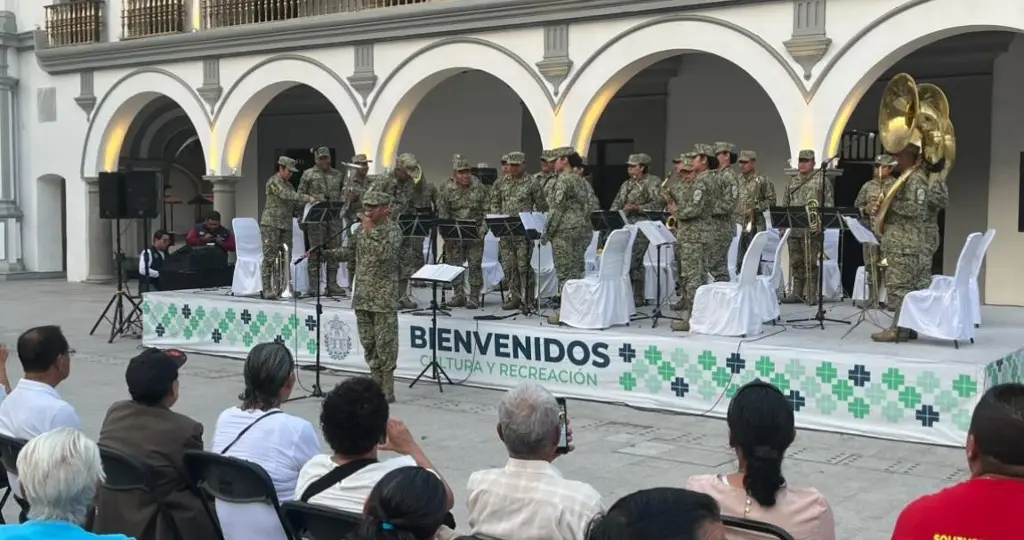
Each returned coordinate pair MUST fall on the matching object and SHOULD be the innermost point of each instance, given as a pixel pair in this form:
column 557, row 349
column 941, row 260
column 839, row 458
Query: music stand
column 660, row 237
column 657, row 216
column 828, row 218
column 456, row 230
column 322, row 215
column 418, row 224
column 606, row 221
column 863, row 235
column 435, row 274
column 512, row 227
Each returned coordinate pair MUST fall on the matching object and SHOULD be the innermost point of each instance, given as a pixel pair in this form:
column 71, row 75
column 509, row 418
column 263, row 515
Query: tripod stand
column 820, row 317
column 867, row 238
column 317, row 391
column 119, row 322
column 514, row 228
column 421, row 224
column 660, row 237
column 437, row 275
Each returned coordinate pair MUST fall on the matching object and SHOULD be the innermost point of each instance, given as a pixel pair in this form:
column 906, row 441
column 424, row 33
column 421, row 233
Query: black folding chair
column 315, row 522
column 759, row 527
column 10, row 447
column 126, row 472
column 232, row 480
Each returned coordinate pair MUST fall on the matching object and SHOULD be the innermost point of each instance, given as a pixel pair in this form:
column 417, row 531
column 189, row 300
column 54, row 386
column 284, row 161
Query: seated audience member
column 145, row 427
column 5, row 383
column 981, row 508
column 660, row 514
column 761, row 428
column 408, row 503
column 528, row 499
column 210, row 232
column 259, row 432
column 151, row 260
column 34, row 406
column 60, row 471
column 355, row 424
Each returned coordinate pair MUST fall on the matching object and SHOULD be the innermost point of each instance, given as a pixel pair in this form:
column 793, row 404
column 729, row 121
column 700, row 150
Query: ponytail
column 763, row 478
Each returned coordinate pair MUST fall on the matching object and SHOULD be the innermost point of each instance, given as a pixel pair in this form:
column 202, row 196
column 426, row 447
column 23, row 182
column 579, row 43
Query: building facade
column 205, row 93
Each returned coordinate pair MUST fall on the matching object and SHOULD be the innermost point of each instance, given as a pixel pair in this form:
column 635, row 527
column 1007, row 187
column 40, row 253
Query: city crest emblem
column 337, row 338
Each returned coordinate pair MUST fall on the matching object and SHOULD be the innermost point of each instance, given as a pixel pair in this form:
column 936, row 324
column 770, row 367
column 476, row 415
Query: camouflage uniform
column 902, row 238
column 692, row 212
column 406, row 197
column 757, row 194
column 644, row 192
column 465, row 203
column 803, row 245
column 323, row 186
column 510, row 196
column 871, row 193
column 377, row 253
column 724, row 215
column 352, row 193
column 568, row 228
column 276, row 222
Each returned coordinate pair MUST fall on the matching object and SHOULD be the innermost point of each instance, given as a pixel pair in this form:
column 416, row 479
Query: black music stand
column 606, row 221
column 512, row 227
column 437, row 275
column 657, row 216
column 119, row 321
column 418, row 224
column 457, row 230
column 865, row 237
column 322, row 215
column 661, row 238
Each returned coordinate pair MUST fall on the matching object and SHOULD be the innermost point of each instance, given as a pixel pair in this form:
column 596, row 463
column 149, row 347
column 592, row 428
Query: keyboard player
column 151, row 260
column 211, row 232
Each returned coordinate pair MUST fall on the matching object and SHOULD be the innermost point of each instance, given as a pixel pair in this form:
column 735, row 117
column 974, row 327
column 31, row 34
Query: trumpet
column 280, row 272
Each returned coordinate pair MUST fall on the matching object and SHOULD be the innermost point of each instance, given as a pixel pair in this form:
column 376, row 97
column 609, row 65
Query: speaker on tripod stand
column 131, row 195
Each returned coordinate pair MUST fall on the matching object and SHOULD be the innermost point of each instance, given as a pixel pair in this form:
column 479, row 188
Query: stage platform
column 923, row 391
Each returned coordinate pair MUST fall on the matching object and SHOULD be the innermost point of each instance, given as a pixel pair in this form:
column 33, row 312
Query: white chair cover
column 734, row 253
column 591, row 255
column 945, row 314
column 493, row 274
column 861, row 287
column 542, row 260
column 769, row 256
column 832, row 284
column 600, row 301
column 732, row 308
column 943, row 283
column 247, row 279
column 771, row 281
column 631, row 302
column 666, row 272
column 300, row 277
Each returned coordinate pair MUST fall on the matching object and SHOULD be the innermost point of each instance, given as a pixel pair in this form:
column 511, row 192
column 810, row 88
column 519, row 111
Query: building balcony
column 145, row 18
column 74, row 23
column 222, row 13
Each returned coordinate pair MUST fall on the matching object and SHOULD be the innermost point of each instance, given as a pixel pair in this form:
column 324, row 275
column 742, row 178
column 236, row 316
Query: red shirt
column 978, row 509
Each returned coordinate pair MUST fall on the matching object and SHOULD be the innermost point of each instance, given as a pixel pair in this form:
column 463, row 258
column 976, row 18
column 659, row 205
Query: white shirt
column 529, row 500
column 144, row 258
column 281, row 444
column 33, row 408
column 351, row 493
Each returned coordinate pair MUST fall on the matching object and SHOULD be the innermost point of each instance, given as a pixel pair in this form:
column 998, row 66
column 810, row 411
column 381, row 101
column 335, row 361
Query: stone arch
column 403, row 89
column 122, row 103
column 891, row 37
column 599, row 78
column 254, row 89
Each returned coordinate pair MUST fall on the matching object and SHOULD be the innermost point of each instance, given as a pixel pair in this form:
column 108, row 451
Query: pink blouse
column 803, row 512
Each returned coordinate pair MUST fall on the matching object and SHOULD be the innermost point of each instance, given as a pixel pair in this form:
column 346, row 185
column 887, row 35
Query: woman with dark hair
column 660, row 514
column 257, row 430
column 761, row 428
column 408, row 503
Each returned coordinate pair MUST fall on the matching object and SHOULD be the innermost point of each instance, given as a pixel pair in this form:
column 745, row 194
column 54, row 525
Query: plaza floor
column 619, row 449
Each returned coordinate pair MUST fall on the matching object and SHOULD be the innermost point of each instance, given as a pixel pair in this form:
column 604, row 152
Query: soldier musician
column 276, row 221
column 464, row 198
column 323, row 182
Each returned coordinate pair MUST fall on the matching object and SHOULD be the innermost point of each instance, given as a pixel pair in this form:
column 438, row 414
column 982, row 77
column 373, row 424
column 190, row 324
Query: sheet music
column 496, row 216
column 444, row 273
column 656, row 232
column 536, row 221
column 860, row 232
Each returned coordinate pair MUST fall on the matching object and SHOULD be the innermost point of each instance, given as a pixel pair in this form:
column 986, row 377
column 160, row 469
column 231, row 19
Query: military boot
column 333, row 289
column 638, row 293
column 554, row 319
column 458, row 300
column 405, row 301
column 680, row 305
column 794, row 296
column 269, row 295
column 891, row 335
column 378, row 377
column 389, row 385
column 473, row 302
column 513, row 302
column 681, row 326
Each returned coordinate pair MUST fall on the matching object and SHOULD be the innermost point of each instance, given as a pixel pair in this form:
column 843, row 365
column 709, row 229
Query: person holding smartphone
column 528, row 499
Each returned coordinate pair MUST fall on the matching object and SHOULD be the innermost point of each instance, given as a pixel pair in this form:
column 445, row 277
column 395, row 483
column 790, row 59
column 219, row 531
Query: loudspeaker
column 141, row 195
column 111, row 186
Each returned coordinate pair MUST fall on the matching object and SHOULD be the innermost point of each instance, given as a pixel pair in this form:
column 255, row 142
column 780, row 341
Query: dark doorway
column 857, row 152
column 607, row 160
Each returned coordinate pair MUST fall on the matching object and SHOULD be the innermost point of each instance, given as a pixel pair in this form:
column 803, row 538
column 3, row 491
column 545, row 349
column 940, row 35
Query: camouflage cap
column 460, row 163
column 563, row 151
column 376, row 198
column 806, row 155
column 515, row 158
column 547, row 155
column 748, row 155
column 360, row 159
column 685, row 157
column 702, row 149
column 687, row 166
column 321, row 151
column 504, row 159
column 408, row 162
column 638, row 159
column 885, row 160
column 288, row 163
column 728, row 147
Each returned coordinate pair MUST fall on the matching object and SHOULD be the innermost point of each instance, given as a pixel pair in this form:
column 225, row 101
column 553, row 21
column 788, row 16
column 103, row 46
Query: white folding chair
column 542, row 260
column 247, row 278
column 493, row 274
column 300, row 276
column 731, row 308
column 941, row 283
column 599, row 300
column 771, row 281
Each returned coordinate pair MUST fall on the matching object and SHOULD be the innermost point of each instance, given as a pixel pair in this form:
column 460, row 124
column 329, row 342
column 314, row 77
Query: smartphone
column 563, row 437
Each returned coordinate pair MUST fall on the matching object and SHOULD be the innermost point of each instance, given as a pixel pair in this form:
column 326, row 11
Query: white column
column 101, row 238
column 10, row 213
column 224, row 196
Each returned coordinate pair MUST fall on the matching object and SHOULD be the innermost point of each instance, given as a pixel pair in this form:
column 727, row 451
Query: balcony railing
column 74, row 23
column 144, row 18
column 221, row 13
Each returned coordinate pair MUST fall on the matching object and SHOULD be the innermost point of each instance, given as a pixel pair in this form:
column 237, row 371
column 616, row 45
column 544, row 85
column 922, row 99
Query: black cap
column 151, row 373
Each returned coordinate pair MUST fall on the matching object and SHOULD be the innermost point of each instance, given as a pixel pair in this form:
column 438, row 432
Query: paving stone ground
column 619, row 449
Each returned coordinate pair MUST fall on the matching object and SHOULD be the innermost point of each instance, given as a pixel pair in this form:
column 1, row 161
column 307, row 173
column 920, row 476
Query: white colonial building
column 208, row 92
